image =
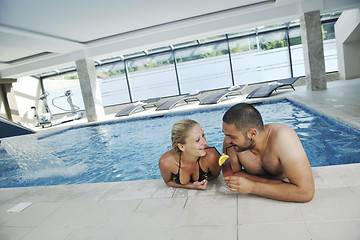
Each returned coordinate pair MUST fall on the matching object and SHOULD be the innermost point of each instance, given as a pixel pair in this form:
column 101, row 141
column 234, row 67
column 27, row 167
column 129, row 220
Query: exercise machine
column 46, row 119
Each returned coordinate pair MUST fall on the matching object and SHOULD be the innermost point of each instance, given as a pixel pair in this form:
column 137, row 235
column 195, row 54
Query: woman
column 191, row 162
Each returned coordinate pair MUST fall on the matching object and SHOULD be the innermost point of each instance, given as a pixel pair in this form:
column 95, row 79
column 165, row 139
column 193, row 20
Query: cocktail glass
column 226, row 169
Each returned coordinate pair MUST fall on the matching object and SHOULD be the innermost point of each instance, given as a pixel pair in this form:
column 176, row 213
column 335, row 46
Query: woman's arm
column 212, row 161
column 191, row 185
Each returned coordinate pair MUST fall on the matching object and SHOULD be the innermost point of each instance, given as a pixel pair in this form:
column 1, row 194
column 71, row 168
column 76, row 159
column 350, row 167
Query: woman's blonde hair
column 179, row 132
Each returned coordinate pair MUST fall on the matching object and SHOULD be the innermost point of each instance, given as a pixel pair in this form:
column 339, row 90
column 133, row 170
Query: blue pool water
column 130, row 150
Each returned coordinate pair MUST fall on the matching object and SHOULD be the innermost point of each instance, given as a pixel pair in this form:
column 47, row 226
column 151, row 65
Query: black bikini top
column 202, row 175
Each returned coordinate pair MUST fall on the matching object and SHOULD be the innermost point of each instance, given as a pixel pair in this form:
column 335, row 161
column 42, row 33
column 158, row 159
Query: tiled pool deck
column 152, row 210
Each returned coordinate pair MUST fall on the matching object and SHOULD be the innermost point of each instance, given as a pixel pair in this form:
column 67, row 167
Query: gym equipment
column 46, row 119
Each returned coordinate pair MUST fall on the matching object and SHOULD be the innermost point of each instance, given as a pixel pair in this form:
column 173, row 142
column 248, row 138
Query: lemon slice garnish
column 222, row 159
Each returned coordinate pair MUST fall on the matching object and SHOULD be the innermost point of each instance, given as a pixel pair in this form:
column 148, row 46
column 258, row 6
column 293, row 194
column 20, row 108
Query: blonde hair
column 179, row 132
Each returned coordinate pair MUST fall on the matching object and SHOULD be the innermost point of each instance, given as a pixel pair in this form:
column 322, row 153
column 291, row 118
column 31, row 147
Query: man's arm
column 233, row 158
column 297, row 169
column 255, row 178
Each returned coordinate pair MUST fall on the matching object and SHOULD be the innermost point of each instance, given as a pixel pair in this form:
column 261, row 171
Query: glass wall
column 296, row 51
column 257, row 55
column 56, row 86
column 273, row 59
column 113, row 83
column 203, row 67
column 242, row 51
column 259, row 58
column 330, row 53
column 152, row 76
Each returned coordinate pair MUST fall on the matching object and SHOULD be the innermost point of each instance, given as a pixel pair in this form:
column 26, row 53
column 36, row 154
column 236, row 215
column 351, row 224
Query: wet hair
column 244, row 116
column 179, row 132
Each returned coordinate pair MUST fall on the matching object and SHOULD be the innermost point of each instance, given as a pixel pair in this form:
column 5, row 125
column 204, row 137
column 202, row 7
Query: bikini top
column 202, row 175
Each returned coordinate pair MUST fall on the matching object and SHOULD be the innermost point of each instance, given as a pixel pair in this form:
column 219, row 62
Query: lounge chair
column 137, row 107
column 172, row 102
column 266, row 91
column 218, row 96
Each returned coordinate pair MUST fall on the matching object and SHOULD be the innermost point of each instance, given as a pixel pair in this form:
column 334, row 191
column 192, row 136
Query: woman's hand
column 200, row 185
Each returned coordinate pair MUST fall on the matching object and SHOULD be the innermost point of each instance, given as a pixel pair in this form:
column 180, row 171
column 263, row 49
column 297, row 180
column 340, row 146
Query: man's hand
column 239, row 184
column 200, row 185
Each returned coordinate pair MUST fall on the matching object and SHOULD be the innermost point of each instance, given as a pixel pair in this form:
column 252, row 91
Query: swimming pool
column 130, row 150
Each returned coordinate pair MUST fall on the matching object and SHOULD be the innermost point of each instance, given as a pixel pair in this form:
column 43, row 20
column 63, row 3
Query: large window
column 252, row 56
column 56, row 86
column 296, row 51
column 260, row 58
column 152, row 76
column 240, row 50
column 113, row 83
column 203, row 67
column 330, row 53
column 272, row 61
column 329, row 44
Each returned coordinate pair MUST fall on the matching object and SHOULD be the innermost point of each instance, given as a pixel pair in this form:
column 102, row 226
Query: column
column 9, row 99
column 90, row 90
column 311, row 36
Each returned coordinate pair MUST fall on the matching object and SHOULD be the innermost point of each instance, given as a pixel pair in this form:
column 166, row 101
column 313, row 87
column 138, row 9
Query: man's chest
column 261, row 164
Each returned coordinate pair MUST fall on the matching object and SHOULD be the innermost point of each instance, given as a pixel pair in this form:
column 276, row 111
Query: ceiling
column 40, row 35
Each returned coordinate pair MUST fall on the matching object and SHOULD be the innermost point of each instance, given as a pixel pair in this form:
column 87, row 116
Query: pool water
column 130, row 150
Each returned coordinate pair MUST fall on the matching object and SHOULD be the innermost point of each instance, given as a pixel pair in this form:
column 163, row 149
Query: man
column 267, row 160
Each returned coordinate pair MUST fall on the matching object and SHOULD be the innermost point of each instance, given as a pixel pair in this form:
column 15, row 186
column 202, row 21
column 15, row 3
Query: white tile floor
column 152, row 210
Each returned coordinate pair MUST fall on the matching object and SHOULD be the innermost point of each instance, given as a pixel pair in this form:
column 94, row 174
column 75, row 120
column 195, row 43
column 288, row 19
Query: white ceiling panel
column 42, row 34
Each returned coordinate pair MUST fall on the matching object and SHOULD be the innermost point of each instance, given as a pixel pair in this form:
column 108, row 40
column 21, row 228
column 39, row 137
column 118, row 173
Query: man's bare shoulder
column 285, row 141
column 279, row 129
column 278, row 126
column 281, row 135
